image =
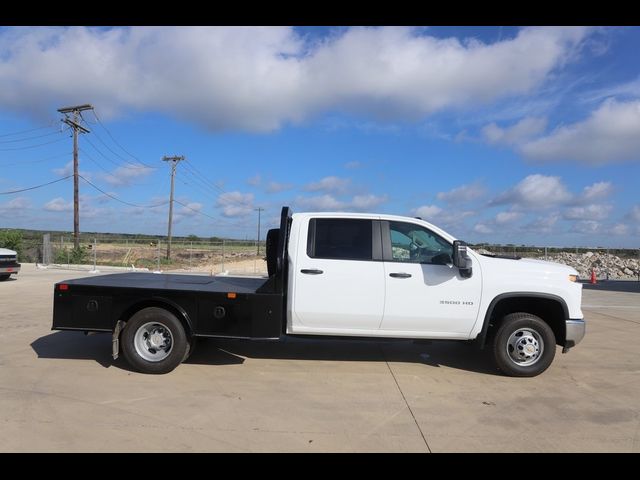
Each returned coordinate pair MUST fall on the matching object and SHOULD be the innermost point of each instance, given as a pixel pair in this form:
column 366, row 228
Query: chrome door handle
column 311, row 271
column 400, row 275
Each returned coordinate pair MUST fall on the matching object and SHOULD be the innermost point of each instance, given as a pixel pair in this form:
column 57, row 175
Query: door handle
column 400, row 275
column 311, row 271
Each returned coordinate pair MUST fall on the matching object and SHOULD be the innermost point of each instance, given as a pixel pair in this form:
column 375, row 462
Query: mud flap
column 115, row 339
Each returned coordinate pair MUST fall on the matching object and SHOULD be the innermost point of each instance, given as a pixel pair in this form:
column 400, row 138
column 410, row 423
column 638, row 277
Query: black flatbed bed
column 172, row 281
column 208, row 306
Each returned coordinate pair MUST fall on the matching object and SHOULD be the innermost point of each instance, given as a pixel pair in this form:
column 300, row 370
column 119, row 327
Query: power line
column 122, row 201
column 114, row 140
column 57, row 132
column 12, row 164
column 131, row 165
column 27, row 131
column 116, row 153
column 37, row 186
column 31, row 146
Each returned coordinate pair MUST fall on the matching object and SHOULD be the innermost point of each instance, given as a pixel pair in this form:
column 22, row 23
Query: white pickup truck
column 340, row 275
column 8, row 263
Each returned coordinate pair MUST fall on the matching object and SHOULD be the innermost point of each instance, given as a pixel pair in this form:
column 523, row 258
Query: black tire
column 4, row 277
column 178, row 351
column 531, row 335
column 192, row 343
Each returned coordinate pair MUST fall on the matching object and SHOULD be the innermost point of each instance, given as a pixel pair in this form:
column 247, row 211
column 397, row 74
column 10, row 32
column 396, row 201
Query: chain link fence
column 149, row 253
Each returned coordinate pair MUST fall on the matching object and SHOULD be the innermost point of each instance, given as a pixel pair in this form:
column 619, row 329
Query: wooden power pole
column 74, row 122
column 174, row 163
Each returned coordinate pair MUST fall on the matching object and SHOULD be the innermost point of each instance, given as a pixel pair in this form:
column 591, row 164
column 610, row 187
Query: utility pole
column 174, row 163
column 74, row 123
column 259, row 209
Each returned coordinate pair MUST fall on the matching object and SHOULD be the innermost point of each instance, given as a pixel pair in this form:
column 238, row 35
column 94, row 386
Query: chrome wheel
column 153, row 341
column 525, row 347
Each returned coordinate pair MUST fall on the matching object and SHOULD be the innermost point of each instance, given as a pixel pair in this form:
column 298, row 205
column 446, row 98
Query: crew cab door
column 424, row 291
column 339, row 277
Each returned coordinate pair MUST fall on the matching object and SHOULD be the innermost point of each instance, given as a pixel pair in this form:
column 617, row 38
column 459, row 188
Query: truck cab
column 341, row 274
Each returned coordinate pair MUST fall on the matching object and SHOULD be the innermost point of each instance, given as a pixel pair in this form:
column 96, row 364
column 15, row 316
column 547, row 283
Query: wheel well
column 549, row 310
column 133, row 309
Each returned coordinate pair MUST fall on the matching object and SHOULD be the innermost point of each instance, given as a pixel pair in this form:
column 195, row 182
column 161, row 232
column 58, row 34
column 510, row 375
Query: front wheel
column 154, row 341
column 4, row 277
column 524, row 345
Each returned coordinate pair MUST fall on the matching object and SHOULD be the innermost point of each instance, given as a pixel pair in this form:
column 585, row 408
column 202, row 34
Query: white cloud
column 427, row 211
column 235, row 204
column 275, row 187
column 634, row 214
column 64, row 171
column 191, row 209
column 329, row 184
column 352, row 165
column 462, row 194
column 525, row 129
column 609, row 135
column 320, row 203
column 327, row 202
column 597, row 190
column 507, row 217
column 620, row 229
column 126, row 175
column 259, row 79
column 586, row 227
column 14, row 205
column 535, row 192
column 543, row 224
column 482, row 228
column 588, row 212
column 367, row 202
column 58, row 204
column 255, row 180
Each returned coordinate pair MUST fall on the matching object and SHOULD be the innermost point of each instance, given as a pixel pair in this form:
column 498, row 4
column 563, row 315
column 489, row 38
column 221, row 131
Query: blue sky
column 496, row 134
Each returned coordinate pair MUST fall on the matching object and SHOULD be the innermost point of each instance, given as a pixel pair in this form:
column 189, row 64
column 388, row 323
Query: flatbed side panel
column 92, row 308
column 89, row 310
column 247, row 315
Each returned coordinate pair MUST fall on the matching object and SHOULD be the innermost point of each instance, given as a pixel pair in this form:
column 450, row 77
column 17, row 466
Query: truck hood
column 6, row 251
column 527, row 264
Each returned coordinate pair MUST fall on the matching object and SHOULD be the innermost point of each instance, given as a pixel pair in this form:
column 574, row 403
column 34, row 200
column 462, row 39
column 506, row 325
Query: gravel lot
column 61, row 392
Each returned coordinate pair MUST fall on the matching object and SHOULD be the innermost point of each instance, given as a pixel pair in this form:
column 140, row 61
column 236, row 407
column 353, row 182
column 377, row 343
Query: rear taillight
column 63, row 287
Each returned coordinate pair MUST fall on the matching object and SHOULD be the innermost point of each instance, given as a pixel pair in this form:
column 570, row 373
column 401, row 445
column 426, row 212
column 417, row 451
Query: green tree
column 11, row 240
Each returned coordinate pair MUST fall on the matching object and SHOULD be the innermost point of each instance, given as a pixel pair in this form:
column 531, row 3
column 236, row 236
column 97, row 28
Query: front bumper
column 575, row 333
column 13, row 268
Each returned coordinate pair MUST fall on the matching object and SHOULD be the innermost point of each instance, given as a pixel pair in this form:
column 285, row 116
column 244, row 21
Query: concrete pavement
column 61, row 392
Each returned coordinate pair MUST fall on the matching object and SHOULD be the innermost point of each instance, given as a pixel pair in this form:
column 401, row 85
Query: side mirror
column 461, row 259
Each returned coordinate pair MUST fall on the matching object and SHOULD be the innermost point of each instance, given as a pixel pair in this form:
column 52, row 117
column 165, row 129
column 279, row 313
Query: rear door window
column 340, row 238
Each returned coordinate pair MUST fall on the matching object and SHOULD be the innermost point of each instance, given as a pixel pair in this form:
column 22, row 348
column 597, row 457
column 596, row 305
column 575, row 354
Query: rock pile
column 605, row 265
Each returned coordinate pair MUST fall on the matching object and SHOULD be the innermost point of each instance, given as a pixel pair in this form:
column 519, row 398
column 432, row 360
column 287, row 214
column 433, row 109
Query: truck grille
column 8, row 258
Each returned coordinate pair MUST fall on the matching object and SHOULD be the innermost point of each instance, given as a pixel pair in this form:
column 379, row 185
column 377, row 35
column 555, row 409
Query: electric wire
column 116, row 153
column 27, row 131
column 115, row 141
column 31, row 146
column 37, row 186
column 119, row 200
column 57, row 132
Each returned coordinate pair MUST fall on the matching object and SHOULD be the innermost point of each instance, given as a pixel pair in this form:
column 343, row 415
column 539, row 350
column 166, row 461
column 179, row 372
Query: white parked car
column 8, row 263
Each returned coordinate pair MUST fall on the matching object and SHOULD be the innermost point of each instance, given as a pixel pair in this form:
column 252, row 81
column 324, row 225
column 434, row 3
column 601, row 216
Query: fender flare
column 482, row 336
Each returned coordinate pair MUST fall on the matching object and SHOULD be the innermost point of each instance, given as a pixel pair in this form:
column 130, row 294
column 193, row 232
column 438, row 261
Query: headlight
column 573, row 278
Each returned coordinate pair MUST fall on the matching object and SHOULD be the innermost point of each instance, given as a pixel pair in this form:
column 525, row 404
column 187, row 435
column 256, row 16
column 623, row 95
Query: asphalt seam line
column 405, row 399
